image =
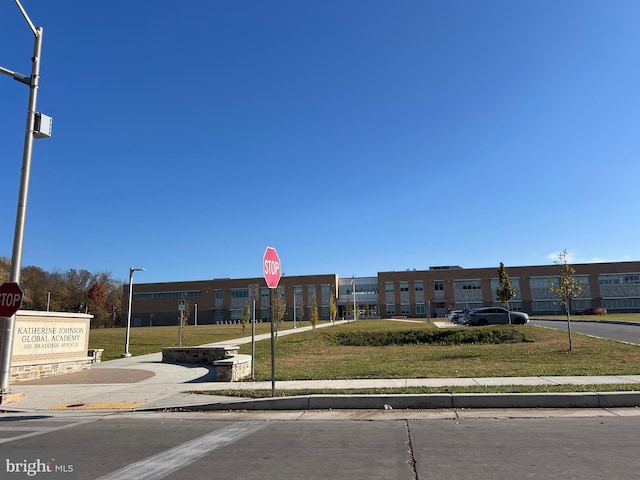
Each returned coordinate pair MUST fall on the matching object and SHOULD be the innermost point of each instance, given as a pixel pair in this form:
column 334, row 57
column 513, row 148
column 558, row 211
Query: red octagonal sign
column 271, row 267
column 10, row 299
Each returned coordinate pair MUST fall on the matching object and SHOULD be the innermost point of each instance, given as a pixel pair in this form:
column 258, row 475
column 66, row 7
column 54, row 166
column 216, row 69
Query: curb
column 426, row 402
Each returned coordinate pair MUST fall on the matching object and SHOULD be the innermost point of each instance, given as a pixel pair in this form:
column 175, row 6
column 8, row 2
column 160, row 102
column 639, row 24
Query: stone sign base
column 229, row 364
column 22, row 373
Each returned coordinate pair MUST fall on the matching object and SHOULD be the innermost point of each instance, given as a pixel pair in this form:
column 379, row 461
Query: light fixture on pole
column 126, row 342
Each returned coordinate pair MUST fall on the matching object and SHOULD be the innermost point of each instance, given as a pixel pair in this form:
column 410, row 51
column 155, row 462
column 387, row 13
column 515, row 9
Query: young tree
column 279, row 310
column 313, row 312
column 505, row 291
column 348, row 310
column 246, row 313
column 567, row 287
column 333, row 309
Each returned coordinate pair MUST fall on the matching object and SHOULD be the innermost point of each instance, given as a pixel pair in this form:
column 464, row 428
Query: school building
column 408, row 293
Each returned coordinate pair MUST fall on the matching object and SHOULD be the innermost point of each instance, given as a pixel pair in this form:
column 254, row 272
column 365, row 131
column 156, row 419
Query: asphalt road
column 411, row 445
column 621, row 332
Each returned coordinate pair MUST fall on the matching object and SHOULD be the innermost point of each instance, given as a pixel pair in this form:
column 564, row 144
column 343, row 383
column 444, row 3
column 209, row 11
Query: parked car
column 453, row 315
column 463, row 318
column 496, row 315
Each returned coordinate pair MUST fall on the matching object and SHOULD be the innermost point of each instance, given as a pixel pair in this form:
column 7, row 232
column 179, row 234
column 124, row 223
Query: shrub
column 486, row 336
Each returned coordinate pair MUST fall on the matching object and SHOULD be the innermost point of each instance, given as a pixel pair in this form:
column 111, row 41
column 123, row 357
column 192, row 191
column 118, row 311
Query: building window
column 466, row 285
column 514, row 305
column 515, row 282
column 404, row 286
column 264, row 292
column 420, row 309
column 621, row 303
column 438, row 285
column 311, row 291
column 418, row 286
column 391, row 309
column 547, row 306
column 160, row 295
column 542, row 282
column 241, row 293
column 405, row 309
column 626, row 279
column 388, row 287
column 581, row 279
column 219, row 294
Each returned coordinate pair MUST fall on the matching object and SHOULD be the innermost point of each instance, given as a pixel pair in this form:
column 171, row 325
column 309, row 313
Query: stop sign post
column 10, row 299
column 271, row 266
column 272, row 270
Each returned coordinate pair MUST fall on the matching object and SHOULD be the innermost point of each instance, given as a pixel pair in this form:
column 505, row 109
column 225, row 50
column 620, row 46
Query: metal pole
column 253, row 341
column 126, row 353
column 196, row 314
column 48, row 300
column 273, row 346
column 16, row 258
column 126, row 341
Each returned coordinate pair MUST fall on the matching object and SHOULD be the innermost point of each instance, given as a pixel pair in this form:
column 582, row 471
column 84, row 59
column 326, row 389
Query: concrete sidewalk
column 145, row 383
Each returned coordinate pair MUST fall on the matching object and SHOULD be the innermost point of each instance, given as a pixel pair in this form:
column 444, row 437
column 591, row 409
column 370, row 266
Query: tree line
column 77, row 291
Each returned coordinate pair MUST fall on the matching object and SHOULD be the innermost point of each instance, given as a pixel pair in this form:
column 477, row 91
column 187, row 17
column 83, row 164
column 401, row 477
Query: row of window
column 159, row 295
column 618, row 279
column 438, row 285
column 621, row 303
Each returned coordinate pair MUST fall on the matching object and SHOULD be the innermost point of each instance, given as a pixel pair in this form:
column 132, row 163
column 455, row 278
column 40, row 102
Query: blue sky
column 353, row 136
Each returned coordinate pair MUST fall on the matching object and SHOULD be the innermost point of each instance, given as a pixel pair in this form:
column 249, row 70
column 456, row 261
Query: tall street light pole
column 126, row 353
column 16, row 259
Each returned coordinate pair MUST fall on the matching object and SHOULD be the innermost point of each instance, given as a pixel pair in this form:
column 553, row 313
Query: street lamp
column 126, row 353
column 38, row 126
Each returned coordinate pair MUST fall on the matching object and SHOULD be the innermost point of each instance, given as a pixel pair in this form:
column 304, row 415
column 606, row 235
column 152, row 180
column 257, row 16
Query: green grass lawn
column 316, row 355
column 143, row 340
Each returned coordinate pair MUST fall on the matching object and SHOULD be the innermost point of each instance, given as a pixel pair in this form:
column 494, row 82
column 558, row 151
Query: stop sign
column 10, row 299
column 271, row 267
